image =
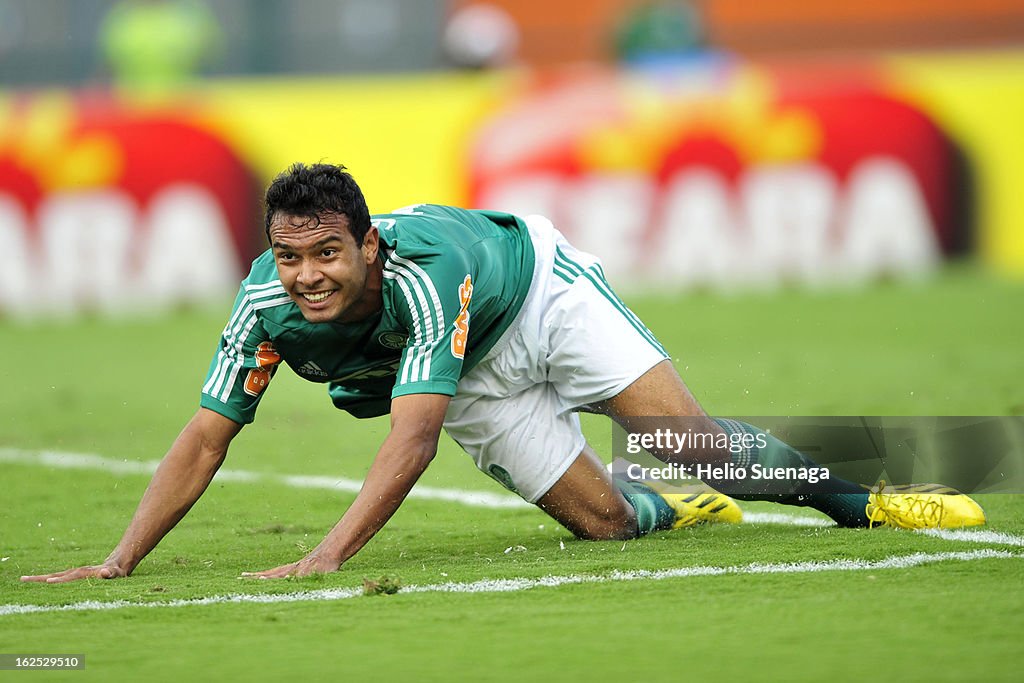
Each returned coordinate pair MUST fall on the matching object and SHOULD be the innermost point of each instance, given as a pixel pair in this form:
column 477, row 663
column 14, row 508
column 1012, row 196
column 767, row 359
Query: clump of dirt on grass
column 384, row 585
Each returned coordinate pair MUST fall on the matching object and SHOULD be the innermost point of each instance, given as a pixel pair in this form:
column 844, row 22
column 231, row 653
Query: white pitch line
column 522, row 584
column 974, row 536
column 88, row 461
column 780, row 518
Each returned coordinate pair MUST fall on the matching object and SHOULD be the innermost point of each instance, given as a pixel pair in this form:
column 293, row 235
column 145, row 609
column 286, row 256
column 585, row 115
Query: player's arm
column 179, row 481
column 416, row 421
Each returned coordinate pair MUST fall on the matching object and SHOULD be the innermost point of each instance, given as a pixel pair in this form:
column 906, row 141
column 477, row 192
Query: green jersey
column 453, row 282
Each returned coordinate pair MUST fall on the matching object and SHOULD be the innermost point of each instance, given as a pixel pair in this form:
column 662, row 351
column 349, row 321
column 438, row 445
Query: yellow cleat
column 922, row 506
column 702, row 508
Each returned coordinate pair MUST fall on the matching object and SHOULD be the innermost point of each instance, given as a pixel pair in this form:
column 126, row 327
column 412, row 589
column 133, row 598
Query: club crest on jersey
column 461, row 336
column 393, row 340
column 258, row 378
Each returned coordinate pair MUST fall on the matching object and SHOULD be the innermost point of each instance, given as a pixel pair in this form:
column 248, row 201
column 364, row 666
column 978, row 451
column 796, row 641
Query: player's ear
column 371, row 244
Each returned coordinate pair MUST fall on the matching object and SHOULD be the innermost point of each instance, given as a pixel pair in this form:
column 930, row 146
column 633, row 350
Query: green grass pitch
column 122, row 390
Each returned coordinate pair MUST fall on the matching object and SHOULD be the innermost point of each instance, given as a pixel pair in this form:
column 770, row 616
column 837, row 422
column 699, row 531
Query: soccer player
column 488, row 325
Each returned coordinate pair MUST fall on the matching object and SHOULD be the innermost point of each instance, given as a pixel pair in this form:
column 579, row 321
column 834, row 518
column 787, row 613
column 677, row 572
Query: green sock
column 842, row 500
column 652, row 512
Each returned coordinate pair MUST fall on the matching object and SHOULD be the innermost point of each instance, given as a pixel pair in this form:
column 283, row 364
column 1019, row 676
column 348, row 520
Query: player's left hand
column 310, row 564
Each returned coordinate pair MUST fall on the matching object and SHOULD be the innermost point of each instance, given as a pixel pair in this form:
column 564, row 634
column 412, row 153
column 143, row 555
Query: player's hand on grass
column 107, row 570
column 313, row 563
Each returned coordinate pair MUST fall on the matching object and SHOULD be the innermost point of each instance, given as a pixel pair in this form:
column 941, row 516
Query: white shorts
column 573, row 343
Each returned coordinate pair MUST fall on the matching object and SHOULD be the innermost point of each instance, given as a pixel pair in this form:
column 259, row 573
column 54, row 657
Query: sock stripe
column 843, row 501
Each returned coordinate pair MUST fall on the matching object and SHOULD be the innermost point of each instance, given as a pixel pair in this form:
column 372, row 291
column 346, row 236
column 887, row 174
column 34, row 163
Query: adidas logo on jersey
column 312, row 369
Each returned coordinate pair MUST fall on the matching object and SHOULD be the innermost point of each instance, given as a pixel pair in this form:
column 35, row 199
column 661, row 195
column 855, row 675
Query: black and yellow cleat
column 708, row 507
column 922, row 506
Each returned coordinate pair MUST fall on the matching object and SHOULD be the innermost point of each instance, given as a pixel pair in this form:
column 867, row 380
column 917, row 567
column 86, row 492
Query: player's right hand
column 107, row 570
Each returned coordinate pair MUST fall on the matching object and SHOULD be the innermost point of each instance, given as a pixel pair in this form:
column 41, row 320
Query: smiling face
column 324, row 271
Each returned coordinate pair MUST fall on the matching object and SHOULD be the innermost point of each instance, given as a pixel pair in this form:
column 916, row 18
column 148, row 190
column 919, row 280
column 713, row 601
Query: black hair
column 316, row 190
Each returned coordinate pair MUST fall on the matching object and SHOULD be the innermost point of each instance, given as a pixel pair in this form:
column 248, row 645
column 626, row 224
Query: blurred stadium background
column 717, row 143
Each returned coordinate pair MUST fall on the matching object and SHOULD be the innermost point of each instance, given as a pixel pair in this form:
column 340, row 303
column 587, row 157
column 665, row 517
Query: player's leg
column 600, row 354
column 542, row 456
column 586, row 502
column 661, row 393
column 592, row 505
column 523, row 442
